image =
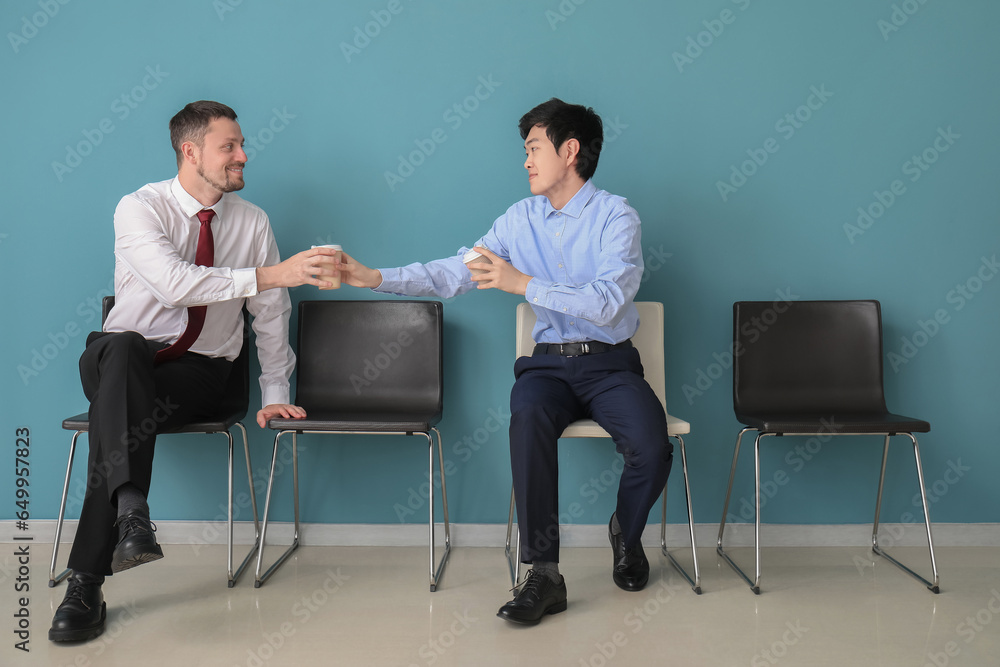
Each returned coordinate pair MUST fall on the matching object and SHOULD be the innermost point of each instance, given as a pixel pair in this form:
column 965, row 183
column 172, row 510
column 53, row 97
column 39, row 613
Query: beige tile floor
column 371, row 606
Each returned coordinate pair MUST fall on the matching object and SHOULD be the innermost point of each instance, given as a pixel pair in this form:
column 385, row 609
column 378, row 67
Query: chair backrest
column 648, row 340
column 237, row 400
column 807, row 357
column 368, row 356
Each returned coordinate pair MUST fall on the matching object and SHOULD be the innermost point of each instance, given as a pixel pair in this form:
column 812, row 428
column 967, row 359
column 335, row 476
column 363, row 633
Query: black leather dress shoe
column 631, row 569
column 136, row 542
column 81, row 615
column 538, row 596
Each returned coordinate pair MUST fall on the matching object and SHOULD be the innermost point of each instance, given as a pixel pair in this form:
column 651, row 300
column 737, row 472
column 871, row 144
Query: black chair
column 233, row 411
column 367, row 367
column 815, row 368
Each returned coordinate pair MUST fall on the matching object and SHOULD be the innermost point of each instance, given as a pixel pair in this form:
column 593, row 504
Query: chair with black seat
column 810, row 368
column 233, row 411
column 372, row 368
column 648, row 340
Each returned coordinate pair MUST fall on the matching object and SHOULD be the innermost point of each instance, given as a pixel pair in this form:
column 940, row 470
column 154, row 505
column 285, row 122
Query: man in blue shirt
column 574, row 253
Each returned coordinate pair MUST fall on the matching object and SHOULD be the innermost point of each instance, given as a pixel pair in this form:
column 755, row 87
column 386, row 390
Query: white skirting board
column 493, row 535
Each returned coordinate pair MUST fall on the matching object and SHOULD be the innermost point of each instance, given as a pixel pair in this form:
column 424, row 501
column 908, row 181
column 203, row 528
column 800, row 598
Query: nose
column 241, row 156
column 527, row 162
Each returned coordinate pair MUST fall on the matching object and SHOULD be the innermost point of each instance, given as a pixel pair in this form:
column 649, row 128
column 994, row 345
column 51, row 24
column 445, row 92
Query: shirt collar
column 574, row 207
column 189, row 205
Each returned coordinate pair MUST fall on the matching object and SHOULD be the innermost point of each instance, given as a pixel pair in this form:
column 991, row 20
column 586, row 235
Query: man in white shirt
column 189, row 253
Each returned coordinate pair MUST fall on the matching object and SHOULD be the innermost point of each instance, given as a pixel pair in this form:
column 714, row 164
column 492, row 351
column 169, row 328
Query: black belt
column 578, row 349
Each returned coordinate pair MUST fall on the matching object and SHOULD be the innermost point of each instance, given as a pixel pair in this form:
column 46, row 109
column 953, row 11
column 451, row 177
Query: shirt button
column 560, row 266
column 565, row 309
column 557, row 233
column 572, row 324
column 558, row 213
column 535, row 300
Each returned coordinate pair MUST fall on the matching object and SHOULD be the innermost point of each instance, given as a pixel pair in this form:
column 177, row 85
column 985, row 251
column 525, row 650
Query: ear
column 190, row 152
column 572, row 148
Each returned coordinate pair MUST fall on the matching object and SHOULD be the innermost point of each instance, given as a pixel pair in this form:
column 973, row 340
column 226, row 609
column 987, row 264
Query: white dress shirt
column 156, row 237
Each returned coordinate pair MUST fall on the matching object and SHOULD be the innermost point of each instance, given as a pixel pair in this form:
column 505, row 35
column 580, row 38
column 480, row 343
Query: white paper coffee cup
column 335, row 278
column 472, row 258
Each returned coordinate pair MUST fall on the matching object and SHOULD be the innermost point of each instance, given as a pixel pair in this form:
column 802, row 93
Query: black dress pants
column 131, row 400
column 552, row 391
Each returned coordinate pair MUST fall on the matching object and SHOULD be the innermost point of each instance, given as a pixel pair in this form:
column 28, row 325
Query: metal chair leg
column 234, row 577
column 754, row 585
column 261, row 578
column 53, row 579
column 513, row 556
column 436, row 573
column 933, row 586
column 696, row 582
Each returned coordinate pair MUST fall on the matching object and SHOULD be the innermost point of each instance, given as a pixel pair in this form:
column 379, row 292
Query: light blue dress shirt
column 585, row 261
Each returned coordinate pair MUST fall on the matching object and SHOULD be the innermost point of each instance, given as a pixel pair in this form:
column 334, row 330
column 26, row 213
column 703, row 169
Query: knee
column 653, row 453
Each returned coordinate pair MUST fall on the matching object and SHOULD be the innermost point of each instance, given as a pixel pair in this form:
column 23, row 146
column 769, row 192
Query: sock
column 548, row 568
column 129, row 497
column 615, row 527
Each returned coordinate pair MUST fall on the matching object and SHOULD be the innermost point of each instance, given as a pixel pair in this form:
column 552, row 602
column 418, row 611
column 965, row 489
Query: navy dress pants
column 552, row 391
column 131, row 400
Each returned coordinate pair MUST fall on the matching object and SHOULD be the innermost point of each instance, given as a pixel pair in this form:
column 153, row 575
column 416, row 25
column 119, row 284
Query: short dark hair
column 564, row 121
column 191, row 123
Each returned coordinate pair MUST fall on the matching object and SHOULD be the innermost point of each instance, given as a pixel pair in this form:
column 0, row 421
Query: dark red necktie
column 204, row 256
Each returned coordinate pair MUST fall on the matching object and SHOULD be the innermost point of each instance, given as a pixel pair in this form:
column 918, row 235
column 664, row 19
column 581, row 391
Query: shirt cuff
column 537, row 292
column 245, row 282
column 274, row 394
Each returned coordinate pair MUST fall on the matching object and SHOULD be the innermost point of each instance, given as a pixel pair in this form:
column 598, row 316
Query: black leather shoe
column 538, row 596
column 81, row 615
column 136, row 543
column 631, row 569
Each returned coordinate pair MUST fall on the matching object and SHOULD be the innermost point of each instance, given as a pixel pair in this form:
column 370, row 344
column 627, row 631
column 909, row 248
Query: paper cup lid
column 471, row 255
column 329, row 245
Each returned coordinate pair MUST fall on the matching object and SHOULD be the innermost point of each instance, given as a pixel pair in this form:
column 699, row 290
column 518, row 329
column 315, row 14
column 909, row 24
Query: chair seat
column 588, row 428
column 809, row 423
column 388, row 422
column 81, row 422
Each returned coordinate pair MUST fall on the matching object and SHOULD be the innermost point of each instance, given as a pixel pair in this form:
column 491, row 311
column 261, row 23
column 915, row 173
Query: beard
column 231, row 184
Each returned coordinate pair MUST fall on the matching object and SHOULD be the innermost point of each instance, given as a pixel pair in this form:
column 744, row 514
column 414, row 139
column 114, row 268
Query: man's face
column 220, row 158
column 547, row 170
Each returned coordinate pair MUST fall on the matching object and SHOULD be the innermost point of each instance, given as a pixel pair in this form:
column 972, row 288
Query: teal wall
column 825, row 108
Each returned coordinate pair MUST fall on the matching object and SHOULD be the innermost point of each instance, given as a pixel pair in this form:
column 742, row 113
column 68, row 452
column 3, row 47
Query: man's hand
column 356, row 274
column 279, row 410
column 298, row 270
column 500, row 275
